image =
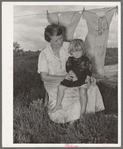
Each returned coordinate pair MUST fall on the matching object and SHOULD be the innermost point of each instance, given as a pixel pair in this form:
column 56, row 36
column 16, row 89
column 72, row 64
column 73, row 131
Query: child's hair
column 76, row 45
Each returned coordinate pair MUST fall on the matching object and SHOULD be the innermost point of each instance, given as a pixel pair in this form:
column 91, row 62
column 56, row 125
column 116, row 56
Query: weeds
column 32, row 123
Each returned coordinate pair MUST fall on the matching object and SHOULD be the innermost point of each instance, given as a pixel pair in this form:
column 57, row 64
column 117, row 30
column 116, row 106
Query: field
column 31, row 122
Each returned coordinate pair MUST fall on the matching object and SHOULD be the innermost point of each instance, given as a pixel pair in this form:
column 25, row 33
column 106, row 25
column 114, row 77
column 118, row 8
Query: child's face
column 77, row 53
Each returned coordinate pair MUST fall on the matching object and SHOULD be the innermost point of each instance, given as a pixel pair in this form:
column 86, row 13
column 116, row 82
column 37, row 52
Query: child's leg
column 60, row 96
column 83, row 99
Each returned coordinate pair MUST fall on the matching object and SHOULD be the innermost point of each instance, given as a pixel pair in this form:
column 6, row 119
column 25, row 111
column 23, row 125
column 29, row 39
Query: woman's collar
column 51, row 49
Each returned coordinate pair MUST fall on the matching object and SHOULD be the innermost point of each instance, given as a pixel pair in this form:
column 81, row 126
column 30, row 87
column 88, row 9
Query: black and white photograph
column 61, row 74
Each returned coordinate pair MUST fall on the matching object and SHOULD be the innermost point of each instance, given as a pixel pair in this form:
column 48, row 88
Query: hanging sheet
column 69, row 20
column 98, row 22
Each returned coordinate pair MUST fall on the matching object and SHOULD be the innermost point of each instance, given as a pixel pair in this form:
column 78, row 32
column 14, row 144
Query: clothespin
column 48, row 18
column 116, row 10
column 47, row 12
column 83, row 10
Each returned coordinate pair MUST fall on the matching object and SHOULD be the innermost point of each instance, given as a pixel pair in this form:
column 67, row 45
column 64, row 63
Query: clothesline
column 81, row 11
column 101, row 8
column 29, row 15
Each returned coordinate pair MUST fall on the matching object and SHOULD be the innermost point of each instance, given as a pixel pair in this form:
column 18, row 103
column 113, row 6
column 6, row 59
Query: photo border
column 12, row 46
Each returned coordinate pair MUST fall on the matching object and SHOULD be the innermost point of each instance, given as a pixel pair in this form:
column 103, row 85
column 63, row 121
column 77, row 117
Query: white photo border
column 7, row 65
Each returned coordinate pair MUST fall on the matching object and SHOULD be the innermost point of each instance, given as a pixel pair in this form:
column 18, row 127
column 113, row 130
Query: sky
column 29, row 22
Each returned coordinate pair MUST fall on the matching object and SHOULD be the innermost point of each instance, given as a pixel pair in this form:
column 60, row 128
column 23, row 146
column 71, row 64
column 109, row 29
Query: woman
column 51, row 66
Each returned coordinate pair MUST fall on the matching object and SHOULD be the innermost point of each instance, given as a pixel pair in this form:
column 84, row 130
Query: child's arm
column 69, row 64
column 91, row 74
column 69, row 69
column 88, row 71
column 74, row 77
column 88, row 66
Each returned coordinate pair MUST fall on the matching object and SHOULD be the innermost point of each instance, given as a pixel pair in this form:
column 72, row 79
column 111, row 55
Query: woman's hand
column 93, row 81
column 88, row 81
column 50, row 107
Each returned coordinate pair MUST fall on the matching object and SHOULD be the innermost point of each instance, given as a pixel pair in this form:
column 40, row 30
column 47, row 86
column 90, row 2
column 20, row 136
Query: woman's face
column 57, row 41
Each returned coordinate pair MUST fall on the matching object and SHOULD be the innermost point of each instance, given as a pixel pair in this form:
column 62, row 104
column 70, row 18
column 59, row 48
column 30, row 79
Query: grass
column 32, row 125
column 31, row 122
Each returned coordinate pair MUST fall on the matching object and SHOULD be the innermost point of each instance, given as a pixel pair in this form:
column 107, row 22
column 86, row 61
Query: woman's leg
column 83, row 99
column 60, row 95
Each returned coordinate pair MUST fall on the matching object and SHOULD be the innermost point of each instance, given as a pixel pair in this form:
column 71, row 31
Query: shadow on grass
column 110, row 98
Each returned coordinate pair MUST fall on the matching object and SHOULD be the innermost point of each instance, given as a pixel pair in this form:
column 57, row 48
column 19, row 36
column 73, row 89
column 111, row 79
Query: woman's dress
column 48, row 62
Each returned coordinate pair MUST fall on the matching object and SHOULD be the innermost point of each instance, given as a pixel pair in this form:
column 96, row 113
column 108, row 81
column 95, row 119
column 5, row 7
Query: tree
column 16, row 46
column 17, row 49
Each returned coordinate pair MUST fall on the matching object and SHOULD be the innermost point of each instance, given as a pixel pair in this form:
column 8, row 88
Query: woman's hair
column 77, row 45
column 53, row 30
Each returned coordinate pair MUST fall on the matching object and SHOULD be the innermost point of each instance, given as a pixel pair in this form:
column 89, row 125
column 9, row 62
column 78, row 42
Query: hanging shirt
column 69, row 20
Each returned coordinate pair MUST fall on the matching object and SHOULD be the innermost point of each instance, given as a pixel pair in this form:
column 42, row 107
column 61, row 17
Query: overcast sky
column 28, row 28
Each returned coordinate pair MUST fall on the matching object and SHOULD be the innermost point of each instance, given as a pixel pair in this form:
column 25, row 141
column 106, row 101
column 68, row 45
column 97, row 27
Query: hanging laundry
column 102, row 24
column 98, row 22
column 69, row 20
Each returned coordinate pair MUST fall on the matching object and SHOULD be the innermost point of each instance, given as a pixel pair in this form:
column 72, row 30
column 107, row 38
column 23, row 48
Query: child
column 80, row 66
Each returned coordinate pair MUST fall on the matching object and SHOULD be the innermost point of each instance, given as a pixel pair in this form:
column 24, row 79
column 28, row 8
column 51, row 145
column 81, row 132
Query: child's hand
column 73, row 75
column 68, row 77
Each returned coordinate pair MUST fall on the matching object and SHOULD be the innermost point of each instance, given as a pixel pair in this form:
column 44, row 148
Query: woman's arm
column 55, row 78
column 51, row 78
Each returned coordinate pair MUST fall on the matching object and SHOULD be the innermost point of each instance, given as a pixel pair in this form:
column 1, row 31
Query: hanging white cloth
column 69, row 20
column 98, row 22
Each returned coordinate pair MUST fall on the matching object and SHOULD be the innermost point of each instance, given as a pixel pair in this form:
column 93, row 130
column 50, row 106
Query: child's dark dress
column 81, row 67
